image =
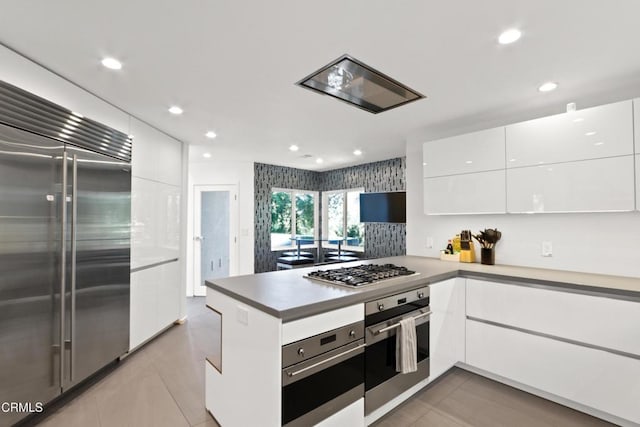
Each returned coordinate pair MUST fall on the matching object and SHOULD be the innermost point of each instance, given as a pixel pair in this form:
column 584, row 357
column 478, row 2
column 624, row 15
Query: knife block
column 467, row 253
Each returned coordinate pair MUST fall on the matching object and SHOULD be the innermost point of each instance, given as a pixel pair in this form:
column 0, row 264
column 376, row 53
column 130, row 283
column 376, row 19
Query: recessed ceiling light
column 512, row 160
column 319, row 160
column 112, row 63
column 176, row 110
column 590, row 133
column 424, row 164
column 469, row 162
column 509, row 36
column 357, row 152
column 599, row 143
column 293, row 147
column 211, row 134
column 206, row 155
column 578, row 119
column 548, row 87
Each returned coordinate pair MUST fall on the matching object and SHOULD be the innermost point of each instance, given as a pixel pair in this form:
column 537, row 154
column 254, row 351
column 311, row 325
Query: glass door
column 215, row 239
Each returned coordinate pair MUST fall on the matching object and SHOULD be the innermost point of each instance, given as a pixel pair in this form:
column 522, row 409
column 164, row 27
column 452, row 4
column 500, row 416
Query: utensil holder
column 487, row 256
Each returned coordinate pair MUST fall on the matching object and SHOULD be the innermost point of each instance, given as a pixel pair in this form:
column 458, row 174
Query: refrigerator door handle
column 74, row 229
column 63, row 270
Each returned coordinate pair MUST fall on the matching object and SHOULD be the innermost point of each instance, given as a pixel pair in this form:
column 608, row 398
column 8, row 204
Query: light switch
column 547, row 249
column 429, row 242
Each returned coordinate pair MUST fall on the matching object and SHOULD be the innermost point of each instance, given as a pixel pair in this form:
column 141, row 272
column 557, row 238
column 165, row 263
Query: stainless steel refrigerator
column 65, row 215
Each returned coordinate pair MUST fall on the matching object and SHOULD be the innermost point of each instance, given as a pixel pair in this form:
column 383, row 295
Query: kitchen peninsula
column 565, row 336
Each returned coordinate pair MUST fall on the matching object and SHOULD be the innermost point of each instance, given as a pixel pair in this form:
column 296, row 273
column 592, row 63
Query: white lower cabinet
column 638, row 179
column 155, row 301
column 599, row 379
column 591, row 319
column 446, row 325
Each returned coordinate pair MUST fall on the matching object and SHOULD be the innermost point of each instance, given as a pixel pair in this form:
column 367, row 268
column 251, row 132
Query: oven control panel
column 393, row 301
column 313, row 346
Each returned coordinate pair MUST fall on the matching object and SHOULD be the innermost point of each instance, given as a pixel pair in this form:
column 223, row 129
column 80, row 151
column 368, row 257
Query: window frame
column 325, row 218
column 316, row 211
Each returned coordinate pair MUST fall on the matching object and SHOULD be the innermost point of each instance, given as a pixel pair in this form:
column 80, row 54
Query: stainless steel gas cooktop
column 360, row 275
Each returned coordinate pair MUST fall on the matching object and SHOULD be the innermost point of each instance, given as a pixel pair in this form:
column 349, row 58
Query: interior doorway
column 215, row 234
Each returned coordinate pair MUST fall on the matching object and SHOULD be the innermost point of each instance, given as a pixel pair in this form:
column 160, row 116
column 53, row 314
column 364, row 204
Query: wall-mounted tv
column 383, row 207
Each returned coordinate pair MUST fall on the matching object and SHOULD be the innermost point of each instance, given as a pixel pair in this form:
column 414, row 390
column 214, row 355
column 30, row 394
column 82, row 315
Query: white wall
column 605, row 243
column 221, row 172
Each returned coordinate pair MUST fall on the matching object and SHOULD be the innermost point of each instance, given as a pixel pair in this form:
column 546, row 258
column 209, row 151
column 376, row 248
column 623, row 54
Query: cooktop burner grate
column 360, row 275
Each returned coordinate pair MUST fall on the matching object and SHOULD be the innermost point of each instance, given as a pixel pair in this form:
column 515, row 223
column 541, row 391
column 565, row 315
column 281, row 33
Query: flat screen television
column 383, row 207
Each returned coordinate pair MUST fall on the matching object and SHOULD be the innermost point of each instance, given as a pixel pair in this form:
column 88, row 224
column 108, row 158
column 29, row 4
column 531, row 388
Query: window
column 342, row 212
column 294, row 214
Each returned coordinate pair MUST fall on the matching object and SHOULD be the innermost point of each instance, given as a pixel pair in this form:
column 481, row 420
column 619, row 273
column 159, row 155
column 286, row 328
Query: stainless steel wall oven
column 382, row 317
column 322, row 375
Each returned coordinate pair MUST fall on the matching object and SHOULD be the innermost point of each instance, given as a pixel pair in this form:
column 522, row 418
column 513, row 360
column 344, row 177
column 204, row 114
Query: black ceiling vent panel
column 355, row 83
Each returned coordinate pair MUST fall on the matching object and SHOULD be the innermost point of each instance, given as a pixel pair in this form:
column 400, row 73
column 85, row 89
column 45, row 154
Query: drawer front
column 599, row 321
column 598, row 379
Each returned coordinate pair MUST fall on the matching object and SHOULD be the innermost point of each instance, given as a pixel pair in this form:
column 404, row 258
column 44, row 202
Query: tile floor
column 461, row 398
column 162, row 384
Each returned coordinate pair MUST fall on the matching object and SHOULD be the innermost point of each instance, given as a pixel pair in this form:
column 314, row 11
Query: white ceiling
column 231, row 65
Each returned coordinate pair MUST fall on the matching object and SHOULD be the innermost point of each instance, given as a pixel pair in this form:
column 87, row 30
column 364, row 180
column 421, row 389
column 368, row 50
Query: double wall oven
column 382, row 317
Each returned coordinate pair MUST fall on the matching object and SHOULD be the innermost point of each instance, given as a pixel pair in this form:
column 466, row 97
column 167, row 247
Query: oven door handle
column 322, row 362
column 395, row 325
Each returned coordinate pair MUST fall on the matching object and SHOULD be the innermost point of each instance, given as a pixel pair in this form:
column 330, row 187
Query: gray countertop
column 289, row 296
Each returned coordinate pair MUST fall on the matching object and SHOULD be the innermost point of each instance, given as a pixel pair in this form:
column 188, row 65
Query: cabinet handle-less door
column 74, row 223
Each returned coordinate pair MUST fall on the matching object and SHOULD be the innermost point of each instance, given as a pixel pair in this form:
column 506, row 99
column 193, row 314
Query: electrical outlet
column 242, row 314
column 429, row 242
column 547, row 249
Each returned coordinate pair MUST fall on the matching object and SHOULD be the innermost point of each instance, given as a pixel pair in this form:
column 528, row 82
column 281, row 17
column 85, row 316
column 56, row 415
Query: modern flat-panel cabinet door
column 638, row 182
column 168, row 295
column 600, row 185
column 598, row 132
column 473, row 193
column 636, row 121
column 446, row 324
column 144, row 305
column 592, row 377
column 472, row 152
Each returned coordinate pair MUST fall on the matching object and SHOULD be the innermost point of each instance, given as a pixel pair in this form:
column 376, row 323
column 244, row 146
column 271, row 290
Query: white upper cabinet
column 599, row 185
column 598, row 132
column 155, row 155
column 471, row 193
column 473, row 152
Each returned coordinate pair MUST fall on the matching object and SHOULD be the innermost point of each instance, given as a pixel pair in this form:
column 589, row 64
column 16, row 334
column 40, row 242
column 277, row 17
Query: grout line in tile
column 174, row 400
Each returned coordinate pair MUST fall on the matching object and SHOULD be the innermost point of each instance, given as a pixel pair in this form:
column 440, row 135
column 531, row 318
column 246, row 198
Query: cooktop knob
column 301, row 352
column 420, row 294
column 352, row 333
column 380, row 307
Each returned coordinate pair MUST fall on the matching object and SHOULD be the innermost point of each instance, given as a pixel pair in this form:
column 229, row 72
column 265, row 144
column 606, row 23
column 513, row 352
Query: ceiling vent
column 355, row 83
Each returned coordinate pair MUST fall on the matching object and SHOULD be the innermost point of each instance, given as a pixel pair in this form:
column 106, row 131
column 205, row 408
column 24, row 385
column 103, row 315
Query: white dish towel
column 406, row 347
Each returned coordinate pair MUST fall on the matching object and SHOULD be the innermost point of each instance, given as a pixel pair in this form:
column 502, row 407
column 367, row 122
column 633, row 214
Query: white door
column 215, row 234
